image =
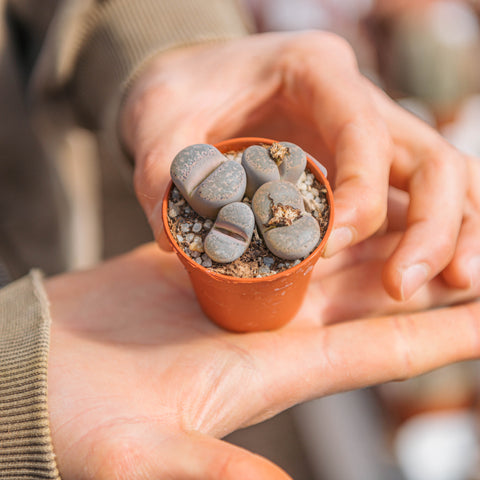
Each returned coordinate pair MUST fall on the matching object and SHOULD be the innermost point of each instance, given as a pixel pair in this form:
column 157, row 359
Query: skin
column 142, row 385
column 306, row 88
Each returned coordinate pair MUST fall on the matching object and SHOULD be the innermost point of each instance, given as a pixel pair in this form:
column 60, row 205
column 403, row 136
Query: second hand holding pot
column 260, row 303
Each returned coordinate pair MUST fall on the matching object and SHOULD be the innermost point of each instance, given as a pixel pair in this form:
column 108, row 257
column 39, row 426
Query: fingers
column 437, row 199
column 322, row 361
column 138, row 449
column 437, row 233
column 353, row 288
column 151, row 177
column 375, row 249
column 367, row 297
column 464, row 269
column 212, row 459
column 332, row 93
column 361, row 184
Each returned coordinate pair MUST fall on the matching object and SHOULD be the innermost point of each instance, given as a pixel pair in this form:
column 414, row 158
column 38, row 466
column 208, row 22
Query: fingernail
column 413, row 278
column 340, row 238
column 474, row 270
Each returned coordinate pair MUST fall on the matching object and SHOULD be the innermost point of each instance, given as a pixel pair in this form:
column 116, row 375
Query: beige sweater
column 55, row 52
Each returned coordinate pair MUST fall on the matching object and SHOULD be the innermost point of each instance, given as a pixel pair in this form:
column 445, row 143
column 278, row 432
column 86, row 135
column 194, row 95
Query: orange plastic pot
column 251, row 304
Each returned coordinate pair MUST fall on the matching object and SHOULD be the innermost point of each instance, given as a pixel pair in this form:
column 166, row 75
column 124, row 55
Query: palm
column 140, row 380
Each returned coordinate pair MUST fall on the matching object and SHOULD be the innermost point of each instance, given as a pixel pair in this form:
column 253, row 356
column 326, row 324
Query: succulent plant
column 206, row 180
column 214, row 187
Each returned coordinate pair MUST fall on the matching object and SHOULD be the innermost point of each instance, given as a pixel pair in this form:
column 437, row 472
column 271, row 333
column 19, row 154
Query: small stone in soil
column 196, row 245
column 264, row 270
column 268, row 261
column 173, row 211
column 206, row 261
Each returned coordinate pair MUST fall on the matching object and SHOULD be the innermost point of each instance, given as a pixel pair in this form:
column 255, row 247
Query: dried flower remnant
column 278, row 152
column 283, row 215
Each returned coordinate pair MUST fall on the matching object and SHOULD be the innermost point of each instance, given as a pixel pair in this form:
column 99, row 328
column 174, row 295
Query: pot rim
column 312, row 164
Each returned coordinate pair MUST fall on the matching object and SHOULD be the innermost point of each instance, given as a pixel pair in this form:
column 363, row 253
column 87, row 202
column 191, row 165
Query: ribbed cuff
column 26, row 450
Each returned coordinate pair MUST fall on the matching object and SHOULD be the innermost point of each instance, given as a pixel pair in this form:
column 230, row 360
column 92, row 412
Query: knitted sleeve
column 25, row 445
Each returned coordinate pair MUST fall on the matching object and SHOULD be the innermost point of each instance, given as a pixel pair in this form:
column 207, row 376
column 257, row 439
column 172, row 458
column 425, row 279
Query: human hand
column 306, row 88
column 141, row 385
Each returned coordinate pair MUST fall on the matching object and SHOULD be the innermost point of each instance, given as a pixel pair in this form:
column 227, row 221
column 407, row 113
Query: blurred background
column 426, row 55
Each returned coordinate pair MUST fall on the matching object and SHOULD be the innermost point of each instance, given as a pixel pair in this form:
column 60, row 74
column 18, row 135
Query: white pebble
column 185, row 227
column 264, row 270
column 308, row 195
column 195, row 254
column 197, row 227
column 199, row 260
column 196, row 245
column 176, row 194
column 179, row 238
column 208, row 224
column 206, row 261
column 189, row 238
column 173, row 212
column 268, row 261
column 309, row 179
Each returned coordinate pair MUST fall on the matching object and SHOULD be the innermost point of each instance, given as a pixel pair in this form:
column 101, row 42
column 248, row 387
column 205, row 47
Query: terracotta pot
column 251, row 304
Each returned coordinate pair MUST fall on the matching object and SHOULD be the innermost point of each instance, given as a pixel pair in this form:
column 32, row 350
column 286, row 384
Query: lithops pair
column 281, row 161
column 214, row 187
column 207, row 180
column 288, row 230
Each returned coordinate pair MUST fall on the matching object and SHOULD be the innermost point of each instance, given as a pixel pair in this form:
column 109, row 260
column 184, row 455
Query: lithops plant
column 214, row 185
column 288, row 230
column 206, row 179
column 280, row 161
column 231, row 233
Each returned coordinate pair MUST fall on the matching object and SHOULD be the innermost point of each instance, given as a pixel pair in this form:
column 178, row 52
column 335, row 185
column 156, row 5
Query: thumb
column 152, row 175
column 142, row 452
column 198, row 457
